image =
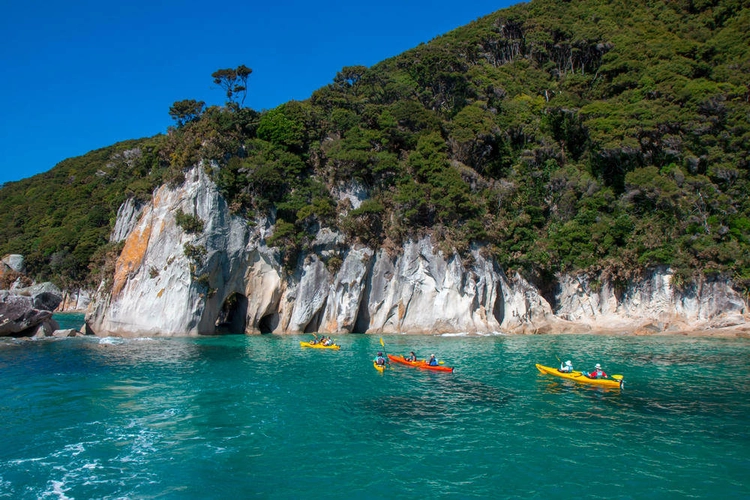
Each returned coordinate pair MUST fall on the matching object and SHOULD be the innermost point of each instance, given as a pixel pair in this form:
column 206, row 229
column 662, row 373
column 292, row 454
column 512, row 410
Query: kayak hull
column 419, row 364
column 380, row 368
column 579, row 377
column 320, row 346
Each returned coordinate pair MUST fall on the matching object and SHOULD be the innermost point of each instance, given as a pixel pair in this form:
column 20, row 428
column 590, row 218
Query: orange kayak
column 419, row 364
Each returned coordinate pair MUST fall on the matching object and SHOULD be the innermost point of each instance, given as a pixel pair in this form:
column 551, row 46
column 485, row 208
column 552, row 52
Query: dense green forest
column 590, row 136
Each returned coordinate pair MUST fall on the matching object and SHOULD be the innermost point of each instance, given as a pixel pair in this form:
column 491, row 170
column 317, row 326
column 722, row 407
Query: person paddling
column 380, row 359
column 411, row 357
column 566, row 367
column 433, row 360
column 597, row 373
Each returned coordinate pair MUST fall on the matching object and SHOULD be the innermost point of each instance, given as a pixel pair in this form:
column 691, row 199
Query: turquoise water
column 69, row 320
column 259, row 417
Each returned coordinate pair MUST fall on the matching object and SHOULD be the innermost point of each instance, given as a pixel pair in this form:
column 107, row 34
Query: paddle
column 385, row 354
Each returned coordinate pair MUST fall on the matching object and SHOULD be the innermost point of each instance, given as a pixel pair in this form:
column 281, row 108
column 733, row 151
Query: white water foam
column 57, row 489
column 112, row 340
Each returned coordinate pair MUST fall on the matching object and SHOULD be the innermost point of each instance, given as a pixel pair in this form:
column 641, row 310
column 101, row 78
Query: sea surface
column 260, row 417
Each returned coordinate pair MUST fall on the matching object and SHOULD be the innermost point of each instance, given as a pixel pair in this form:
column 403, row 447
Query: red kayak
column 419, row 364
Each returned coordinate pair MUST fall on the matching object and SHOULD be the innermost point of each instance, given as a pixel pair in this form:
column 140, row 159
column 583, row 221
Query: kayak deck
column 380, row 368
column 419, row 364
column 579, row 377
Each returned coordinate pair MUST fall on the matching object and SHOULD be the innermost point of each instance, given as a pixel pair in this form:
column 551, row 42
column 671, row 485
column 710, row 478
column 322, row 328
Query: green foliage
column 281, row 128
column 365, row 222
column 588, row 136
column 234, row 82
column 185, row 111
column 189, row 223
column 59, row 220
column 195, row 253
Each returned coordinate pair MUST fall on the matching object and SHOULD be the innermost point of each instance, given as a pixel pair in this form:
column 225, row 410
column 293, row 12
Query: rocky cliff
column 224, row 278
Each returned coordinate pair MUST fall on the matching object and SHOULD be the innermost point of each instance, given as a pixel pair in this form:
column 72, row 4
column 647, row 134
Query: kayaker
column 411, row 357
column 380, row 359
column 433, row 360
column 566, row 367
column 597, row 373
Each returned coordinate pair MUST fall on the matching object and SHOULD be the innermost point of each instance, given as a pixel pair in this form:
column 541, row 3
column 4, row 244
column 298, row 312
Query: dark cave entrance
column 233, row 315
column 268, row 323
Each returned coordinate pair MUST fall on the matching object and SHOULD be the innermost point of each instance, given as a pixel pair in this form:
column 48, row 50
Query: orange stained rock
column 131, row 257
column 401, row 310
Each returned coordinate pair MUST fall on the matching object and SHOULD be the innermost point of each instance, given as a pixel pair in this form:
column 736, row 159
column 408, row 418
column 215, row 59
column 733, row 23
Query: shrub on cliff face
column 191, row 224
column 9, row 277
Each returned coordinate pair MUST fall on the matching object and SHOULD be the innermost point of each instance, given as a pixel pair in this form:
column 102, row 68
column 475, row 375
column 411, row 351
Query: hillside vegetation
column 576, row 136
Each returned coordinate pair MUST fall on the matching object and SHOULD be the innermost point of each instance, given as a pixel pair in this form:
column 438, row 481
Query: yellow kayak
column 616, row 380
column 320, row 346
column 380, row 368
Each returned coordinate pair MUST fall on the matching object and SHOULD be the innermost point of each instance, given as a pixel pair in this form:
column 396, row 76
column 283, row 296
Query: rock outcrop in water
column 26, row 312
column 226, row 279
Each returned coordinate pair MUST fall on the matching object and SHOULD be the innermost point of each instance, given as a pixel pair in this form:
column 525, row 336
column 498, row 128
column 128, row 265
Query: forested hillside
column 592, row 136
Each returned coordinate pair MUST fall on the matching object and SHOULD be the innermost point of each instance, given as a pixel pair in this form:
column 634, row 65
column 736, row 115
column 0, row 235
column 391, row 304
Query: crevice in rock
column 233, row 315
column 362, row 322
column 548, row 286
column 498, row 309
column 314, row 324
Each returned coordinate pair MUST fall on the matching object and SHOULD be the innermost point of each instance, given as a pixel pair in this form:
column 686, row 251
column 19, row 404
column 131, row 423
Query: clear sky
column 77, row 75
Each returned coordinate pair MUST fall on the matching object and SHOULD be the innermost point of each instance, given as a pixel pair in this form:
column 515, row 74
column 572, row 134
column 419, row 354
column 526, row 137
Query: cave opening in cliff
column 233, row 315
column 498, row 309
column 268, row 323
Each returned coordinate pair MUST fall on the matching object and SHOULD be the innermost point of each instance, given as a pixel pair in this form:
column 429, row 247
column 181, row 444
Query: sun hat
column 597, row 366
column 568, row 363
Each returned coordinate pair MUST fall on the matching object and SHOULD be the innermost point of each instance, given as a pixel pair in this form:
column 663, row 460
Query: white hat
column 568, row 363
column 597, row 366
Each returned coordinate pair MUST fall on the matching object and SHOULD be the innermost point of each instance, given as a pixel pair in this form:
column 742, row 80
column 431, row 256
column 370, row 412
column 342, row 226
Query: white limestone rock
column 127, row 217
column 158, row 290
column 650, row 301
column 421, row 291
column 16, row 262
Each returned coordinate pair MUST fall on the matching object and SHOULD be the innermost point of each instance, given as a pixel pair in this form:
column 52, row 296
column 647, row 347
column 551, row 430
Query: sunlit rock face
column 652, row 301
column 225, row 279
column 159, row 290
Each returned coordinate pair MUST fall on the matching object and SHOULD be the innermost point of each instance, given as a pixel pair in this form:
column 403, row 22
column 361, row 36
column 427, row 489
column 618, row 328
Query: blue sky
column 78, row 75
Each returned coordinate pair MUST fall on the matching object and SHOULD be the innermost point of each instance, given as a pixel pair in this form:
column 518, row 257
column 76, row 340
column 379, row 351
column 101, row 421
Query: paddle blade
column 381, row 342
column 617, row 377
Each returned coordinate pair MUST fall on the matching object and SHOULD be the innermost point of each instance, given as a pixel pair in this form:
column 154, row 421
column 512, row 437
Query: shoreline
column 739, row 331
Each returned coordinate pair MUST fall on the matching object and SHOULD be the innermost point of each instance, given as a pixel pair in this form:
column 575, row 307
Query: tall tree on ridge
column 234, row 83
